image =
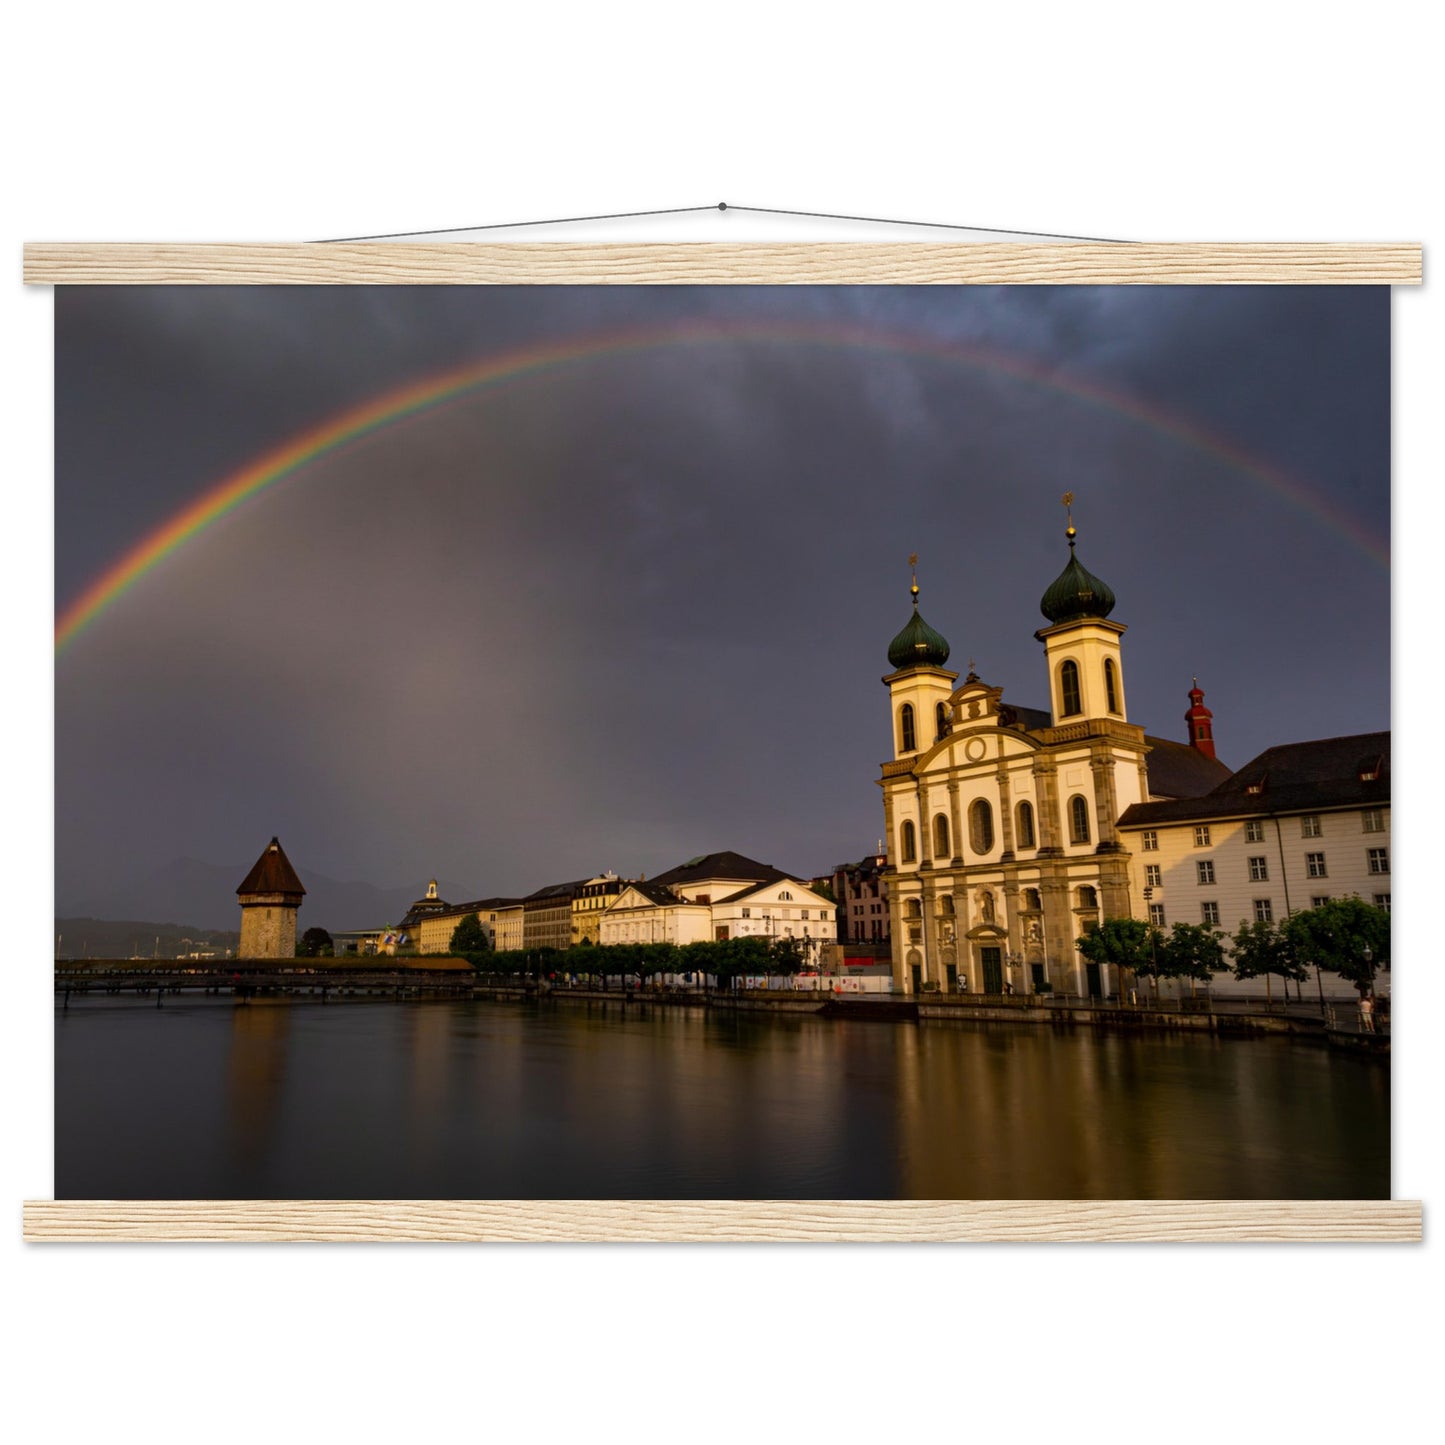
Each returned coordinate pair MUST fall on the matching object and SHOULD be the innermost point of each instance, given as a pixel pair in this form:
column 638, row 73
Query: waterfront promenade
column 439, row 977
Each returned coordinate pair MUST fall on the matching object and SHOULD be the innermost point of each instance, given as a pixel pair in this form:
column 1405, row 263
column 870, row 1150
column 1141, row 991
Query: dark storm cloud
column 637, row 607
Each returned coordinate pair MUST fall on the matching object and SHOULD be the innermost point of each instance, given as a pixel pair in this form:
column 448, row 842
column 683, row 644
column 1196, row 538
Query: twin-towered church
column 1002, row 820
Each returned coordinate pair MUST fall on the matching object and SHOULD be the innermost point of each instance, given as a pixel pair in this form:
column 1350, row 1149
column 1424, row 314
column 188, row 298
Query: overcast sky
column 636, row 607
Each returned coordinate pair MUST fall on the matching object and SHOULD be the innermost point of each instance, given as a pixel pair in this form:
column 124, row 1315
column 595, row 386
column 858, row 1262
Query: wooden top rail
column 911, row 263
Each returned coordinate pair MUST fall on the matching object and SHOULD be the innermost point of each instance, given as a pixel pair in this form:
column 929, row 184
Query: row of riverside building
column 1009, row 831
column 713, row 896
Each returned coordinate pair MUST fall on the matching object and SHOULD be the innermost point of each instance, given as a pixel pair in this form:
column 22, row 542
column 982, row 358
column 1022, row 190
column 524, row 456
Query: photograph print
column 748, row 742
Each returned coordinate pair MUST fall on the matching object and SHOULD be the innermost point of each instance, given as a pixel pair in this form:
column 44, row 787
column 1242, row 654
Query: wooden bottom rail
column 716, row 1221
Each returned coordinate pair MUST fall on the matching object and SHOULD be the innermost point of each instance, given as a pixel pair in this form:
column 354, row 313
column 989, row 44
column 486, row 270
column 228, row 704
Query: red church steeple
column 1201, row 722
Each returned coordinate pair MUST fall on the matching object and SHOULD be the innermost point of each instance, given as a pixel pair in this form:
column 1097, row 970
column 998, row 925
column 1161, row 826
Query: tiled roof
column 1031, row 718
column 722, row 866
column 872, row 863
column 758, row 888
column 1291, row 778
column 1177, row 770
column 479, row 905
column 556, row 892
column 272, row 873
column 655, row 892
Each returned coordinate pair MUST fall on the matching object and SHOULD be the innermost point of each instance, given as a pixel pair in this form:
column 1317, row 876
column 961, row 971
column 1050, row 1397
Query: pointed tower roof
column 272, row 873
column 918, row 645
column 1075, row 594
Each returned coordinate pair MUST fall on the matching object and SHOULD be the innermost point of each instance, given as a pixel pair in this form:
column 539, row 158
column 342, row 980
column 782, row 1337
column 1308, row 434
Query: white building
column 1295, row 827
column 652, row 913
column 507, row 923
column 719, row 896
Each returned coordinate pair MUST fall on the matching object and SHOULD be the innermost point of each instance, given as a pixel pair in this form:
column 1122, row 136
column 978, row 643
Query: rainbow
column 274, row 467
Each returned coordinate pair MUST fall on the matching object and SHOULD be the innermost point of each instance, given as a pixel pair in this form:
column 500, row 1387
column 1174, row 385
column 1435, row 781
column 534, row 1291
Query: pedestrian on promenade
column 1367, row 1014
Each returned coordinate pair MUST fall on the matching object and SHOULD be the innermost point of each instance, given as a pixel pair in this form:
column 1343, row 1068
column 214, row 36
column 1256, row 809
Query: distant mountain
column 206, row 892
column 135, row 938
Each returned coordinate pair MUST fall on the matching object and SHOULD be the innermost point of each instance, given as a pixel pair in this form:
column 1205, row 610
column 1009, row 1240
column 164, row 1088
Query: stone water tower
column 269, row 896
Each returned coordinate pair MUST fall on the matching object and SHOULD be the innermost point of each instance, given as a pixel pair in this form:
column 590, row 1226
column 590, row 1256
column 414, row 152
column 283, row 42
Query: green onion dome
column 1076, row 593
column 918, row 645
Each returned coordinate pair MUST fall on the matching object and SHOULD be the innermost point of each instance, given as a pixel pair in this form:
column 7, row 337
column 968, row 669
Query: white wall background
column 293, row 121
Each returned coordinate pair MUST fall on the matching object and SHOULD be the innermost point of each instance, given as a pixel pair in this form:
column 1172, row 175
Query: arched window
column 1111, row 685
column 940, row 719
column 910, row 842
column 905, row 720
column 1069, row 690
column 940, row 836
column 945, row 905
column 1088, row 897
column 1033, row 900
column 980, row 827
column 784, row 896
column 915, row 908
column 1026, row 826
column 1078, row 819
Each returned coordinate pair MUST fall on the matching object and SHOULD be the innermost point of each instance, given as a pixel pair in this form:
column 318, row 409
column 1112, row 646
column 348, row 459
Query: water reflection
column 1072, row 1114
column 451, row 1100
column 255, row 1078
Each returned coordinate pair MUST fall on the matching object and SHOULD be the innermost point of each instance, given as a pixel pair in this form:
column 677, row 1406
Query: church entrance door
column 992, row 961
column 952, row 971
column 1096, row 989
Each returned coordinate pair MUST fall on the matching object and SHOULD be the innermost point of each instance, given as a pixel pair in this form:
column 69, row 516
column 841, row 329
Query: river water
column 482, row 1100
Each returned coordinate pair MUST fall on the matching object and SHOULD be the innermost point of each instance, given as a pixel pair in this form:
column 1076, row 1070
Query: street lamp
column 1153, row 952
column 1367, row 1004
column 1014, row 960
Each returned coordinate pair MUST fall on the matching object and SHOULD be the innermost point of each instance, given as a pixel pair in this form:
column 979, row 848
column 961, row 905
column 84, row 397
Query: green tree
column 1127, row 943
column 470, row 937
column 1261, row 950
column 586, row 959
column 316, row 943
column 1338, row 935
column 786, row 956
column 1193, row 951
column 702, row 959
column 655, row 958
column 747, row 957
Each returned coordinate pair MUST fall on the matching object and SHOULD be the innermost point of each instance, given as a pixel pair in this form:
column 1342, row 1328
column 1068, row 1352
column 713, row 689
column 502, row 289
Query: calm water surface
column 485, row 1100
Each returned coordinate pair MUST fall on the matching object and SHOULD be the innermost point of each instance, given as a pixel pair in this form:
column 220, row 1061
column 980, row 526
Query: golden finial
column 1071, row 531
column 913, row 563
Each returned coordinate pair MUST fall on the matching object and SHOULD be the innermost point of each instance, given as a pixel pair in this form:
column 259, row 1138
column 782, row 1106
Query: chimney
column 1201, row 722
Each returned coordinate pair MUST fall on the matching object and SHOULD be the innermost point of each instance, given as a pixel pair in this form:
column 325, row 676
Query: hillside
column 206, row 892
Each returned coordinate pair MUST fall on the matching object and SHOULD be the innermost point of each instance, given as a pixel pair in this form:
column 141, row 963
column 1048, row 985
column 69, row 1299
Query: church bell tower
column 1081, row 644
column 919, row 685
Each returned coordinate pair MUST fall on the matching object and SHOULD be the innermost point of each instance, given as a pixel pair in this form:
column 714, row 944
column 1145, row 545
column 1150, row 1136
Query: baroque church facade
column 1003, row 821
